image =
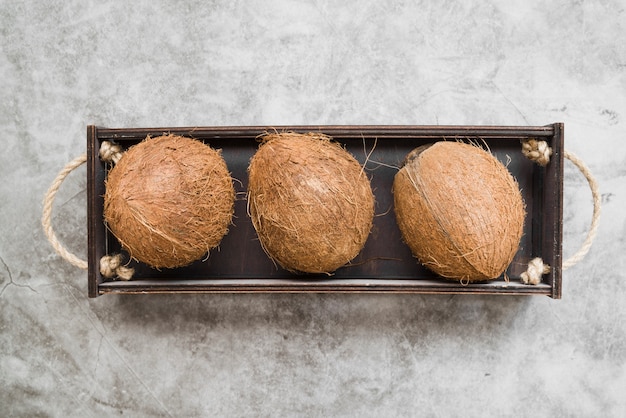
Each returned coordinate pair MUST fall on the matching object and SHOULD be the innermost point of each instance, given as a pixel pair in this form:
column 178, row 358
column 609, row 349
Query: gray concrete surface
column 67, row 64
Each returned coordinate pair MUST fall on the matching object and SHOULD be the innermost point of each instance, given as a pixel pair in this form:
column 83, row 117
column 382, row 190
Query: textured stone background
column 67, row 64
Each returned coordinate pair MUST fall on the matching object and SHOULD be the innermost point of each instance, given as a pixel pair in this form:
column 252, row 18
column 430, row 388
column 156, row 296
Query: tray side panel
column 95, row 226
column 553, row 212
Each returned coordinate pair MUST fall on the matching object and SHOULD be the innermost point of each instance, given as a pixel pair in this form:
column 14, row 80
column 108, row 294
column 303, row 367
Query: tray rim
column 552, row 244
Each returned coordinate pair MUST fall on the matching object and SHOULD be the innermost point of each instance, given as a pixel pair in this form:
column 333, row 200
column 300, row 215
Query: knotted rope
column 536, row 269
column 110, row 152
column 537, row 151
column 111, row 266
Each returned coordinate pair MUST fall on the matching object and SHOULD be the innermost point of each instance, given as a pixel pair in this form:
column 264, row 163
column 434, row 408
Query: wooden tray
column 385, row 264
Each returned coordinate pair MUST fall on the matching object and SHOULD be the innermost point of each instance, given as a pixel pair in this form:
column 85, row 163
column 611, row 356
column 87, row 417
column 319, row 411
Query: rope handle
column 111, row 266
column 46, row 220
column 540, row 152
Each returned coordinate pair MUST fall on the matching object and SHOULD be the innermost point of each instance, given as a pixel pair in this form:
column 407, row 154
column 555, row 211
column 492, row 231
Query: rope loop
column 540, row 152
column 46, row 218
column 110, row 265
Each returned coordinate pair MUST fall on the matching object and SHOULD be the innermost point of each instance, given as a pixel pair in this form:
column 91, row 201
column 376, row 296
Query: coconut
column 169, row 200
column 310, row 202
column 459, row 210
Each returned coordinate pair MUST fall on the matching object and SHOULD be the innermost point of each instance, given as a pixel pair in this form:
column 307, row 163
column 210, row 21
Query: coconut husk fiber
column 459, row 210
column 310, row 202
column 169, row 200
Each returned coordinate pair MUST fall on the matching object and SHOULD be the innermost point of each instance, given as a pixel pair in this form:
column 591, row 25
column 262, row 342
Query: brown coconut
column 169, row 200
column 310, row 202
column 459, row 210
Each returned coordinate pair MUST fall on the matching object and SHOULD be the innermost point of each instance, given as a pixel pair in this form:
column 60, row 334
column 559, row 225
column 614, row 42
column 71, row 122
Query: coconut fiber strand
column 169, row 200
column 310, row 201
column 459, row 210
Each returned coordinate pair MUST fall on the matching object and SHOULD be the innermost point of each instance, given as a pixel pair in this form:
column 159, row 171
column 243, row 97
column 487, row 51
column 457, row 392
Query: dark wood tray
column 385, row 264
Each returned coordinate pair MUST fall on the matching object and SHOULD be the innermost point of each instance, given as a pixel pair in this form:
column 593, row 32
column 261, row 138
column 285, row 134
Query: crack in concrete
column 11, row 282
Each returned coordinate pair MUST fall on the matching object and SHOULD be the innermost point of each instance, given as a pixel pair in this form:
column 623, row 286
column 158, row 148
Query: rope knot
column 536, row 269
column 110, row 152
column 111, row 266
column 537, row 151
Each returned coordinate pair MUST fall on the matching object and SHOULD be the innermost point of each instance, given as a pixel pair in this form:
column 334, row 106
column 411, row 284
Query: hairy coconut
column 169, row 200
column 459, row 210
column 310, row 202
